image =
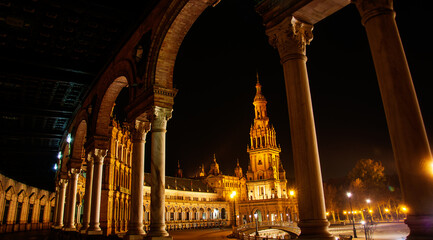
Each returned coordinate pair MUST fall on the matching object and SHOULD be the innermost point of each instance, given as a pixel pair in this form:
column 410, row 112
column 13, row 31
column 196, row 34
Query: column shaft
column 61, row 204
column 409, row 140
column 69, row 225
column 157, row 168
column 56, row 207
column 290, row 37
column 135, row 225
column 94, row 228
column 88, row 194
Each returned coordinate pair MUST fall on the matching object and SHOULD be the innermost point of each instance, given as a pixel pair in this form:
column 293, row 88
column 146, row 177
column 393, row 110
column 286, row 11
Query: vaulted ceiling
column 51, row 52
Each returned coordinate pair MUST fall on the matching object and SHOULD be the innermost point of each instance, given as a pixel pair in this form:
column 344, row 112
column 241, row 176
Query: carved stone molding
column 63, row 183
column 371, row 8
column 90, row 157
column 160, row 117
column 139, row 129
column 99, row 155
column 75, row 171
column 290, row 38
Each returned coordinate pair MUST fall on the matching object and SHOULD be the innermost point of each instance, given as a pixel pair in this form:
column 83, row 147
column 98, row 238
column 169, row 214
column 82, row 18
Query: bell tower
column 264, row 176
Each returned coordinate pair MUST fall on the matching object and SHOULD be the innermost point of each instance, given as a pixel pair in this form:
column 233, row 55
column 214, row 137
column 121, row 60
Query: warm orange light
column 327, row 213
column 233, row 194
column 431, row 167
column 386, row 210
column 370, row 211
column 344, row 212
column 356, row 212
column 404, row 209
column 292, row 193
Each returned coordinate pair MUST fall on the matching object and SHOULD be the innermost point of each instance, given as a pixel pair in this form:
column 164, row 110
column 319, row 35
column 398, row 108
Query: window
column 29, row 218
column 41, row 214
column 260, row 162
column 51, row 214
column 6, row 212
column 19, row 209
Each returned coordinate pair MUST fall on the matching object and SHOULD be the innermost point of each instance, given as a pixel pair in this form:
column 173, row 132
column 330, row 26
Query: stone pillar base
column 94, row 232
column 158, row 238
column 133, row 237
column 315, row 230
column 69, row 229
column 421, row 227
column 57, row 227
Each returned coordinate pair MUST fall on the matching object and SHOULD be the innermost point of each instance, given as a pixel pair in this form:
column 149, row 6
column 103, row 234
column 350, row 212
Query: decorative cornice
column 97, row 141
column 290, row 38
column 371, row 8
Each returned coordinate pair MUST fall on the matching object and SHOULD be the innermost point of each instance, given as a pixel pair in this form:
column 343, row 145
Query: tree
column 331, row 201
column 368, row 181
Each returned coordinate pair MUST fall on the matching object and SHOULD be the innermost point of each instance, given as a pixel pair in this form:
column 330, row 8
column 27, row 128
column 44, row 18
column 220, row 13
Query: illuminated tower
column 238, row 170
column 265, row 176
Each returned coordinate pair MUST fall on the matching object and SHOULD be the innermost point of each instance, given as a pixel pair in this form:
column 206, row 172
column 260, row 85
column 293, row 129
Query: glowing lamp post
column 349, row 195
column 232, row 196
column 368, row 207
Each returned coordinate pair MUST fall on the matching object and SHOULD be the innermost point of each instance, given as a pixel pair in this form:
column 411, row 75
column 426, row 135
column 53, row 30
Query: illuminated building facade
column 144, row 61
column 23, row 207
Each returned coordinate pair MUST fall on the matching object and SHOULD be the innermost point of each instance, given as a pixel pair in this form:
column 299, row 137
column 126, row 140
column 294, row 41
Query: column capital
column 159, row 118
column 290, row 38
column 74, row 171
column 63, row 182
column 139, row 129
column 99, row 155
column 371, row 8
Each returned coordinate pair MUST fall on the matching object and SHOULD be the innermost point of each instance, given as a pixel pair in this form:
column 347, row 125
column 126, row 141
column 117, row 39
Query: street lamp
column 368, row 207
column 232, row 196
column 349, row 195
column 257, row 225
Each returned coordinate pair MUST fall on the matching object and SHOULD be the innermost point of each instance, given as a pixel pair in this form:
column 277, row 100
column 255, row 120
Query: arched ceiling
column 50, row 54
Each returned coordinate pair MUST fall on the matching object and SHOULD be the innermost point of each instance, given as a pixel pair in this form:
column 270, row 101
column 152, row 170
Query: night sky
column 215, row 73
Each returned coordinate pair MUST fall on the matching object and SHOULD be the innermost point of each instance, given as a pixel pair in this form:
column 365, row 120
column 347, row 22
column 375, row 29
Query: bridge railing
column 267, row 223
column 244, row 231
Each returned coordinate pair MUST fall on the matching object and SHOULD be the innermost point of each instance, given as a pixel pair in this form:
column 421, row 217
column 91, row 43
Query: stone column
column 135, row 225
column 72, row 198
column 56, row 207
column 88, row 193
column 290, row 37
column 157, row 168
column 98, row 159
column 409, row 140
column 61, row 204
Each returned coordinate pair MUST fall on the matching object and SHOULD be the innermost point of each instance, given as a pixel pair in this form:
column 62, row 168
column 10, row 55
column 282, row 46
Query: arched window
column 223, row 213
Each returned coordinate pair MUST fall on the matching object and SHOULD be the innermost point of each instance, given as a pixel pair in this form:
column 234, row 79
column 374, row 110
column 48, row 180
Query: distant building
column 23, row 207
column 203, row 201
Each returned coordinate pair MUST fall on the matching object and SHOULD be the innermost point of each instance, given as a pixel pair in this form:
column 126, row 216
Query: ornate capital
column 74, row 171
column 159, row 118
column 139, row 130
column 90, row 157
column 290, row 38
column 62, row 183
column 99, row 155
column 371, row 8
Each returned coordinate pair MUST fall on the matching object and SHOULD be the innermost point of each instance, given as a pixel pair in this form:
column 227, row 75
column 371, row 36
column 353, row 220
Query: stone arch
column 79, row 138
column 10, row 192
column 107, row 103
column 201, row 214
column 259, row 214
column 169, row 35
